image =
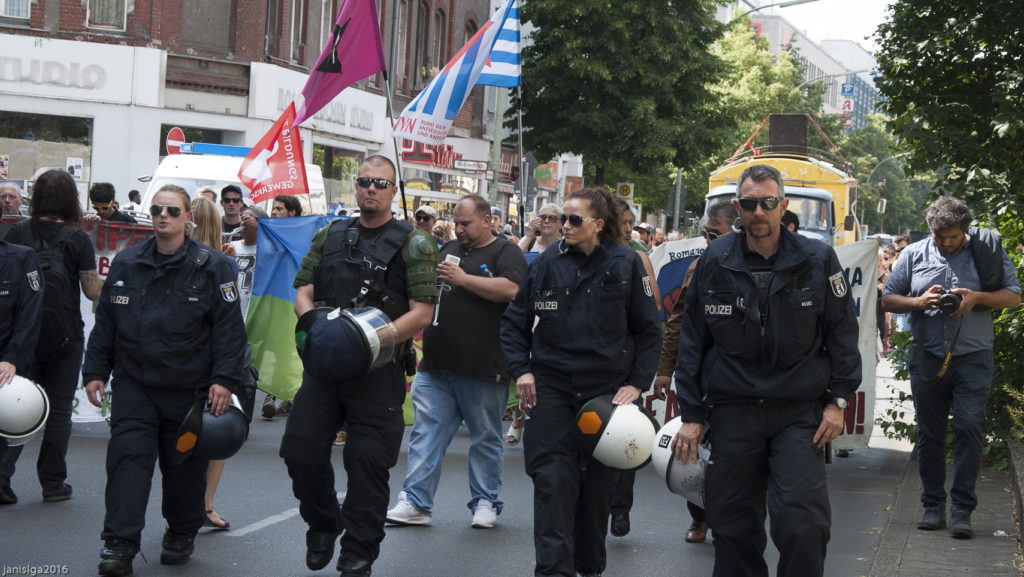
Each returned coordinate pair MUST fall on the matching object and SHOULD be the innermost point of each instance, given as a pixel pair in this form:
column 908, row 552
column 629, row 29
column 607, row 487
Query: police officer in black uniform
column 767, row 352
column 380, row 262
column 169, row 328
column 598, row 333
column 21, row 300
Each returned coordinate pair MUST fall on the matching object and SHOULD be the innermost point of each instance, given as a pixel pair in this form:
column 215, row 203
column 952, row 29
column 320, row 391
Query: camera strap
column 945, row 361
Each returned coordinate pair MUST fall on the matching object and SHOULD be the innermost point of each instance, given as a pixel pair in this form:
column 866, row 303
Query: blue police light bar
column 207, row 148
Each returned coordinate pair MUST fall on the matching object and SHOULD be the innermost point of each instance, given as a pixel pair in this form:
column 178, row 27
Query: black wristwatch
column 840, row 402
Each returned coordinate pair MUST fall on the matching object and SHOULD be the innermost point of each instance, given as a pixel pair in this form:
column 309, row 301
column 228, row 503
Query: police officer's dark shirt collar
column 149, row 253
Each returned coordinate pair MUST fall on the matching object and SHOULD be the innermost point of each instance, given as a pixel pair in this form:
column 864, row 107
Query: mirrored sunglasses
column 750, row 204
column 379, row 183
column 575, row 220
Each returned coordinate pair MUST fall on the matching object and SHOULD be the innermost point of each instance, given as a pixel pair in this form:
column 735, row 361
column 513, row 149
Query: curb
column 1015, row 455
column 901, row 521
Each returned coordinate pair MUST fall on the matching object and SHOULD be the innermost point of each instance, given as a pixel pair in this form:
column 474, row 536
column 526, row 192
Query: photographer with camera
column 949, row 283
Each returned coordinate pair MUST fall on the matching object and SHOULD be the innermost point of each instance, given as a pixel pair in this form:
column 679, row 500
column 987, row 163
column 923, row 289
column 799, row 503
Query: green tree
column 621, row 81
column 953, row 76
column 879, row 173
column 753, row 84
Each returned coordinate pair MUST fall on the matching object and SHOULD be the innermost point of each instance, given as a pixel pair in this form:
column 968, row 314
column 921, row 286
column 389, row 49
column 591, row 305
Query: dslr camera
column 949, row 302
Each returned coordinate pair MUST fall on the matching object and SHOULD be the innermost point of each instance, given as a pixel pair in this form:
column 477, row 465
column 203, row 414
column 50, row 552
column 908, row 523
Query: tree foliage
column 953, row 74
column 621, row 81
column 878, row 168
column 954, row 79
column 754, row 83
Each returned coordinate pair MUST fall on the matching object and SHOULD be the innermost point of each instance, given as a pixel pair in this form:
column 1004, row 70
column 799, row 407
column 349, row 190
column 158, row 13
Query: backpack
column 57, row 327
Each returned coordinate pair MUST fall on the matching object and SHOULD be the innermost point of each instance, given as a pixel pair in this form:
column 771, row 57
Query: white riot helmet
column 685, row 480
column 618, row 436
column 24, row 407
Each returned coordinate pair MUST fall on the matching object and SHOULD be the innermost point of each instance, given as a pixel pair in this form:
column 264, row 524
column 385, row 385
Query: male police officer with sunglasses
column 374, row 261
column 768, row 355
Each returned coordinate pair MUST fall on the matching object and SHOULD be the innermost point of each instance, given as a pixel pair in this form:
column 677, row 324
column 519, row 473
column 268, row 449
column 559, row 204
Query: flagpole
column 394, row 140
column 522, row 163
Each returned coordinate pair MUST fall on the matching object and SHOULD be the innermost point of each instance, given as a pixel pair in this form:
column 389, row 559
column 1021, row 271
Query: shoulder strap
column 335, row 243
column 394, row 237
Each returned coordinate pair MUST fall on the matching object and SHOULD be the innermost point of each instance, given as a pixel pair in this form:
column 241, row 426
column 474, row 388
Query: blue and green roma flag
column 270, row 322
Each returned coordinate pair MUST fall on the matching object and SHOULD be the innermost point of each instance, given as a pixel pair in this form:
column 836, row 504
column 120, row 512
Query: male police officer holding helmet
column 767, row 352
column 373, row 261
column 169, row 328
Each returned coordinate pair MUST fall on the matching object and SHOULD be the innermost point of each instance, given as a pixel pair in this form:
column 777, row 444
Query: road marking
column 271, row 520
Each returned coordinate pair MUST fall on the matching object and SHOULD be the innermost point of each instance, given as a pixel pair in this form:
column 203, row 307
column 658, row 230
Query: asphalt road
column 267, row 536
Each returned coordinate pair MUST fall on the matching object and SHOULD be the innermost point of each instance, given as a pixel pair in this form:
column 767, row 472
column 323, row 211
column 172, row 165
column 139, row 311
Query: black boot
column 353, row 567
column 178, row 547
column 319, row 549
column 116, row 557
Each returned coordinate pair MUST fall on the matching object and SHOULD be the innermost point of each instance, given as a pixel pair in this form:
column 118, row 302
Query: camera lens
column 949, row 303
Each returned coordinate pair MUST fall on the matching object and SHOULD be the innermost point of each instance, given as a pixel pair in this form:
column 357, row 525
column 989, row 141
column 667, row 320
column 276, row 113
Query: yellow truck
column 818, row 184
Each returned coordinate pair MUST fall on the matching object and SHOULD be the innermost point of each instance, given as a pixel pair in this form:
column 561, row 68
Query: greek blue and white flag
column 504, row 68
column 430, row 115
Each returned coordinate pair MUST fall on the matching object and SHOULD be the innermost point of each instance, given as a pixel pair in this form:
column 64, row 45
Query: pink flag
column 354, row 52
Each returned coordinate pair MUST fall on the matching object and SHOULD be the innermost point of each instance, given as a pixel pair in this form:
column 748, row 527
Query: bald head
column 10, row 198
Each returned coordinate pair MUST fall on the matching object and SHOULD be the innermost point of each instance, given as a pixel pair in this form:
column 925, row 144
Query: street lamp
column 779, row 4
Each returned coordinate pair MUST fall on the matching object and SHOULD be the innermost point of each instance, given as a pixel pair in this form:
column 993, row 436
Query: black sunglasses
column 575, row 220
column 708, row 235
column 423, row 218
column 551, row 217
column 173, row 211
column 231, row 200
column 380, row 183
column 750, row 204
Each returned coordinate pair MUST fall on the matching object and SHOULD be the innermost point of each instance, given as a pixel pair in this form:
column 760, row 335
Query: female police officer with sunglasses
column 597, row 334
column 169, row 328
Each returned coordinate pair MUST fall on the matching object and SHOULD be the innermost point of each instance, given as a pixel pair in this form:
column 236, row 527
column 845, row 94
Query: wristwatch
column 840, row 402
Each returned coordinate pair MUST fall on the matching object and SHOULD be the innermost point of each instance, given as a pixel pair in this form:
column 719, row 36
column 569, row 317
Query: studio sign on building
column 70, row 74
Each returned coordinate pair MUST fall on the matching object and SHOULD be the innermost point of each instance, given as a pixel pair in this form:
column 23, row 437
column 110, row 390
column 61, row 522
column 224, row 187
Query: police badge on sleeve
column 838, row 282
column 647, row 286
column 33, row 280
column 229, row 292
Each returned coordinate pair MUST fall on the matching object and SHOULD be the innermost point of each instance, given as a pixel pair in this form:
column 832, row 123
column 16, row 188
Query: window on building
column 421, row 59
column 273, row 27
column 339, row 167
column 108, row 14
column 298, row 32
column 206, row 24
column 468, row 32
column 14, row 8
column 401, row 72
column 439, row 54
column 329, row 17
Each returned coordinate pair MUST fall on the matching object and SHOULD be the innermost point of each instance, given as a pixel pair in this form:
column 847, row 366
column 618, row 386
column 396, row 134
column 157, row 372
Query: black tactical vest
column 359, row 271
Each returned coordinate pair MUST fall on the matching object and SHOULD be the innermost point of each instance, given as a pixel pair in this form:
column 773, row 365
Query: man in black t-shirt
column 462, row 375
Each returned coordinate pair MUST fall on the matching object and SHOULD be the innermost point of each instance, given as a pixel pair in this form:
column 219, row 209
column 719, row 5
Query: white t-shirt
column 245, row 256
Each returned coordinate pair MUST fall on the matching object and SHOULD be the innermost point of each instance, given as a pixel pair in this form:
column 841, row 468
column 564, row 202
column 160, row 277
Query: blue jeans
column 964, row 388
column 441, row 402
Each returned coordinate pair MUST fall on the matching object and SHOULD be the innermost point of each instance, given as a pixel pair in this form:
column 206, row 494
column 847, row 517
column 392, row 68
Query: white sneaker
column 405, row 513
column 485, row 515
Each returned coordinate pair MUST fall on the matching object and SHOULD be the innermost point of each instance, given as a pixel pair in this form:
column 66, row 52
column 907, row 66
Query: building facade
column 96, row 85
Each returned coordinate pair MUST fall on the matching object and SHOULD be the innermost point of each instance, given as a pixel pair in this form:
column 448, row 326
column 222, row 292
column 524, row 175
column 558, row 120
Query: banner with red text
column 275, row 165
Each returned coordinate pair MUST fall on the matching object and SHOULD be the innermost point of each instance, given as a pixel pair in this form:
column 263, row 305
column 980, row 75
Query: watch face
column 842, row 403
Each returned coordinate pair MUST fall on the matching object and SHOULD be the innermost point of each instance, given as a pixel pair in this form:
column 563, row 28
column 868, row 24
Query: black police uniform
column 364, row 267
column 167, row 327
column 598, row 330
column 21, row 301
column 764, row 345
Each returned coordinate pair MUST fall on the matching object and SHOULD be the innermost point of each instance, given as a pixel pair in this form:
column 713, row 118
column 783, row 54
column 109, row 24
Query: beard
column 759, row 230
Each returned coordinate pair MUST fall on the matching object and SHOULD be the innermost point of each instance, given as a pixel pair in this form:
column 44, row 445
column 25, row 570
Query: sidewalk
column 905, row 551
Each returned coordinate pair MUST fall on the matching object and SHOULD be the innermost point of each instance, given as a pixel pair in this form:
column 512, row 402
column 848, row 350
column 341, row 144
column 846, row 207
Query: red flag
column 354, row 51
column 275, row 166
